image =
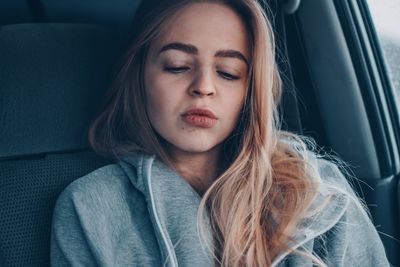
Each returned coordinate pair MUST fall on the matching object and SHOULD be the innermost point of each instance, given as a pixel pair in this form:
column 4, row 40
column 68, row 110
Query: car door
column 347, row 101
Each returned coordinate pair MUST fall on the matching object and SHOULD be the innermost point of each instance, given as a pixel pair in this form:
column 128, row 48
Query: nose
column 203, row 85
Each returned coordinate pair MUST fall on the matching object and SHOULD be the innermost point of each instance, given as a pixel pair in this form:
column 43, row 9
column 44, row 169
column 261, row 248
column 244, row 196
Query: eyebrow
column 191, row 49
column 187, row 48
column 233, row 54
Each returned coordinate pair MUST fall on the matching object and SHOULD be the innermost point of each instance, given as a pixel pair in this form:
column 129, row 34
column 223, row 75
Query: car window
column 386, row 17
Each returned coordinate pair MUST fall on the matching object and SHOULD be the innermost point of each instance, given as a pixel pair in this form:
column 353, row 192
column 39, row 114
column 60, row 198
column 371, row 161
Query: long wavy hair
column 264, row 189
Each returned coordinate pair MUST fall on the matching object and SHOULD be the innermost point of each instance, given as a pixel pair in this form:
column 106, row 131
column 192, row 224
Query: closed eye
column 176, row 69
column 228, row 76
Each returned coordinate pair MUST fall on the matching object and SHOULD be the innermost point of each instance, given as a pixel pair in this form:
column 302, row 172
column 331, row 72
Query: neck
column 199, row 169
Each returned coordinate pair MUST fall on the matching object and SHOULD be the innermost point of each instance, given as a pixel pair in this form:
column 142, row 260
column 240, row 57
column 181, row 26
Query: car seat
column 52, row 79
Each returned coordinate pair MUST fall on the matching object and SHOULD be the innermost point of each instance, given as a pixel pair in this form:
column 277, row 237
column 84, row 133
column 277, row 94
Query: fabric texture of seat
column 52, row 79
column 28, row 191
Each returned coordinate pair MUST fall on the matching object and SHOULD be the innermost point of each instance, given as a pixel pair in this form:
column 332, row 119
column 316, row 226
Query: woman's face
column 196, row 77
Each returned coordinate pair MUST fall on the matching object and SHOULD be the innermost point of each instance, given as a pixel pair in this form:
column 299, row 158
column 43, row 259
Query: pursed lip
column 200, row 112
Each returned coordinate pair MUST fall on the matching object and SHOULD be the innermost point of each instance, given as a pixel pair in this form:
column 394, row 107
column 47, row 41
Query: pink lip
column 200, row 117
column 200, row 112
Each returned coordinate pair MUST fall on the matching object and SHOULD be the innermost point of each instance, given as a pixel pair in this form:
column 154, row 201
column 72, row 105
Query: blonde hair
column 265, row 189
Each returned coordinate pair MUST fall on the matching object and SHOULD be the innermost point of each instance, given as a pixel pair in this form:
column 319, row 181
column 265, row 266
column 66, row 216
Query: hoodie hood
column 173, row 205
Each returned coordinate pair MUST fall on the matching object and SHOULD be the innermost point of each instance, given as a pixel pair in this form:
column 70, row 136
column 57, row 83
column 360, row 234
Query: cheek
column 154, row 92
column 161, row 102
column 234, row 102
column 155, row 102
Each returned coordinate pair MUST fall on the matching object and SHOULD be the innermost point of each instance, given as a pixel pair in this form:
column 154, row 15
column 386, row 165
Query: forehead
column 208, row 26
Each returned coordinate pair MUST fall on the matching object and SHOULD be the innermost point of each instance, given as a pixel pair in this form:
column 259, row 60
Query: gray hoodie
column 139, row 212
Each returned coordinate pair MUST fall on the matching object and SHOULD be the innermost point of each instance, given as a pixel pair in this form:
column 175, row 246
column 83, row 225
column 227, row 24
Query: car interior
column 58, row 58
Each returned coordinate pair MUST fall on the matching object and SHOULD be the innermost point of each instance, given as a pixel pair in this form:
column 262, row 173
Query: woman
column 204, row 175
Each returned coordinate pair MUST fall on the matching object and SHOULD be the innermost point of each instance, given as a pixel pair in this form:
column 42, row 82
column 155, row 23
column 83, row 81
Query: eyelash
column 224, row 75
column 228, row 76
column 176, row 70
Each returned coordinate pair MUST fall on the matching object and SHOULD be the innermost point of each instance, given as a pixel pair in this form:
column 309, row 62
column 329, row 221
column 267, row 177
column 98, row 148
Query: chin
column 195, row 148
column 191, row 146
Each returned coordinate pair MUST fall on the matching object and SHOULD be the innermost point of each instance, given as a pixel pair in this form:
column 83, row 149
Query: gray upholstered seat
column 52, row 78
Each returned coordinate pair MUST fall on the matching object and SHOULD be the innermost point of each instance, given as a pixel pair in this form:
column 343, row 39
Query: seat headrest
column 118, row 13
column 52, row 78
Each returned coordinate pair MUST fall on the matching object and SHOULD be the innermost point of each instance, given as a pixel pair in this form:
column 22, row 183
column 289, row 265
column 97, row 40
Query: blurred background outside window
column 386, row 17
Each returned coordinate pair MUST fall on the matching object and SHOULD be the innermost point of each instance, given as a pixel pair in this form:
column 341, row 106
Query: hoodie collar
column 173, row 205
